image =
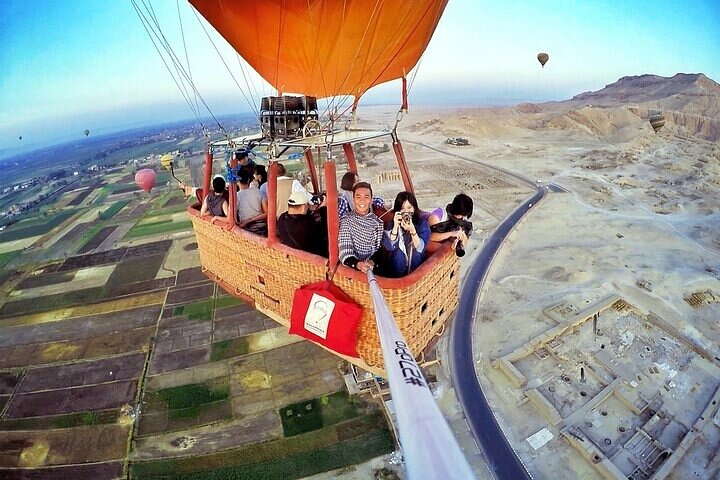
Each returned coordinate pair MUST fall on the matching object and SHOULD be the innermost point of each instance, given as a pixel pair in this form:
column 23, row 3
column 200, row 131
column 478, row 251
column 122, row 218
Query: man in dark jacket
column 302, row 229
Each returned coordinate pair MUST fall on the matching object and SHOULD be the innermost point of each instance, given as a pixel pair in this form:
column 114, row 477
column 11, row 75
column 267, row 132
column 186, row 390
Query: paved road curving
column 502, row 459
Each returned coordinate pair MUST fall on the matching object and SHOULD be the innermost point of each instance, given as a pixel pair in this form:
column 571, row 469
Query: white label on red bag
column 318, row 315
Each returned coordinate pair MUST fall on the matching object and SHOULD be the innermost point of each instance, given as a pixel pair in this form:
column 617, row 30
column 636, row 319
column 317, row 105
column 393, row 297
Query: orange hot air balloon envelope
column 145, row 179
column 325, row 48
column 543, row 58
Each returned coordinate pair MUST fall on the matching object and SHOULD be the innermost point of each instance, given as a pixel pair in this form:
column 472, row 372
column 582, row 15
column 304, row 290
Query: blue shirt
column 403, row 257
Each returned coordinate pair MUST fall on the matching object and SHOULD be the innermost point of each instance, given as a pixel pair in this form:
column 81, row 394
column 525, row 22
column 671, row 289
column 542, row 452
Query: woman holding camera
column 452, row 225
column 407, row 237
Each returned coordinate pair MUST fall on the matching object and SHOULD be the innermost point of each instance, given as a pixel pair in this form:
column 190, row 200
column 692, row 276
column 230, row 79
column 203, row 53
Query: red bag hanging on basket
column 323, row 313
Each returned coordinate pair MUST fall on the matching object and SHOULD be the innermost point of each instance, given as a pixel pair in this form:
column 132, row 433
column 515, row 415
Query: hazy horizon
column 65, row 71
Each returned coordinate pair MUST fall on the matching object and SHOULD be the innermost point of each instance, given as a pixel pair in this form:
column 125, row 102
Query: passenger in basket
column 282, row 173
column 345, row 195
column 215, row 202
column 406, row 238
column 243, row 160
column 304, row 229
column 250, row 212
column 452, row 225
column 361, row 231
column 259, row 176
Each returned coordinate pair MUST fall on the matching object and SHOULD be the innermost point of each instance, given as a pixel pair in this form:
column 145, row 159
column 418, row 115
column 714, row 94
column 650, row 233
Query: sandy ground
column 641, row 211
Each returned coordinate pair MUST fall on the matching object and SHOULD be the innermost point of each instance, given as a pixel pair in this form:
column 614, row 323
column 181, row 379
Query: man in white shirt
column 251, row 210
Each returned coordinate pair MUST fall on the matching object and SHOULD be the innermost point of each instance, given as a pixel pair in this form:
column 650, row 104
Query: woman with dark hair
column 361, row 231
column 259, row 176
column 407, row 237
column 452, row 225
column 215, row 202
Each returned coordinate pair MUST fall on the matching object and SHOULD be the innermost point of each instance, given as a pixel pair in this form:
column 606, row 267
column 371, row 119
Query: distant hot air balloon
column 145, row 179
column 20, row 137
column 167, row 160
column 543, row 58
column 657, row 120
column 86, row 132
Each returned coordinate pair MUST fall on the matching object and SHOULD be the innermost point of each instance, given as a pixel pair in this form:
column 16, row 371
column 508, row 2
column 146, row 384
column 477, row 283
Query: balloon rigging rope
column 180, row 76
column 176, row 61
column 146, row 24
column 328, row 108
column 252, row 106
column 250, row 84
column 346, row 97
column 438, row 13
column 398, row 50
column 402, row 24
column 279, row 41
column 187, row 58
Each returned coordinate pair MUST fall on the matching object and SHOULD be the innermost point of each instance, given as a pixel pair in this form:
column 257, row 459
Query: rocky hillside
column 690, row 102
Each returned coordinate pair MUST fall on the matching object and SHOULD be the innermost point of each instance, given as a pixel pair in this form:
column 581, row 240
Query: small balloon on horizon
column 543, row 58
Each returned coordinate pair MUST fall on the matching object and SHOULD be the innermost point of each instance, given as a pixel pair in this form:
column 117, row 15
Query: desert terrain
column 639, row 221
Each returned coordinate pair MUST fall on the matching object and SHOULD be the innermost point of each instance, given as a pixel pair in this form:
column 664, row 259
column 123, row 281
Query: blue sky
column 67, row 65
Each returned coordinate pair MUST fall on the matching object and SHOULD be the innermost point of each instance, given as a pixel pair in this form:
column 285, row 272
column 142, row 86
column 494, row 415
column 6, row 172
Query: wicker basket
column 421, row 303
column 246, row 265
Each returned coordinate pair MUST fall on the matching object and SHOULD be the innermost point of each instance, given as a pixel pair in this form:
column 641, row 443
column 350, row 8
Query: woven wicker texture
column 420, row 309
column 270, row 276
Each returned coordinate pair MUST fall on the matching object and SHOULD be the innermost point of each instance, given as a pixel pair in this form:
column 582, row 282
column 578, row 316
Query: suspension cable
column 406, row 19
column 176, row 61
column 247, row 100
column 187, row 58
column 255, row 94
column 145, row 25
column 281, row 27
column 182, row 73
column 373, row 62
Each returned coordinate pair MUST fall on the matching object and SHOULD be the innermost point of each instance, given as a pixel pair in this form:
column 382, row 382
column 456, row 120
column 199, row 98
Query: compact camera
column 452, row 224
column 406, row 217
column 317, row 199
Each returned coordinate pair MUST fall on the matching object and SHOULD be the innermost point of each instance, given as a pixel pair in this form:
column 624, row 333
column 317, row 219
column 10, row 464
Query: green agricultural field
column 203, row 310
column 169, row 210
column 136, row 270
column 302, row 417
column 38, row 225
column 162, row 177
column 229, row 349
column 51, row 302
column 7, row 257
column 186, row 401
column 113, row 209
column 288, row 458
column 163, row 226
column 88, row 234
column 99, row 417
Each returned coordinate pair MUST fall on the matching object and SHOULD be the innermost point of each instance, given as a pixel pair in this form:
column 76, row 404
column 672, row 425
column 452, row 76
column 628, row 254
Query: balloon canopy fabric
column 167, row 160
column 325, row 48
column 145, row 179
column 657, row 121
column 543, row 58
